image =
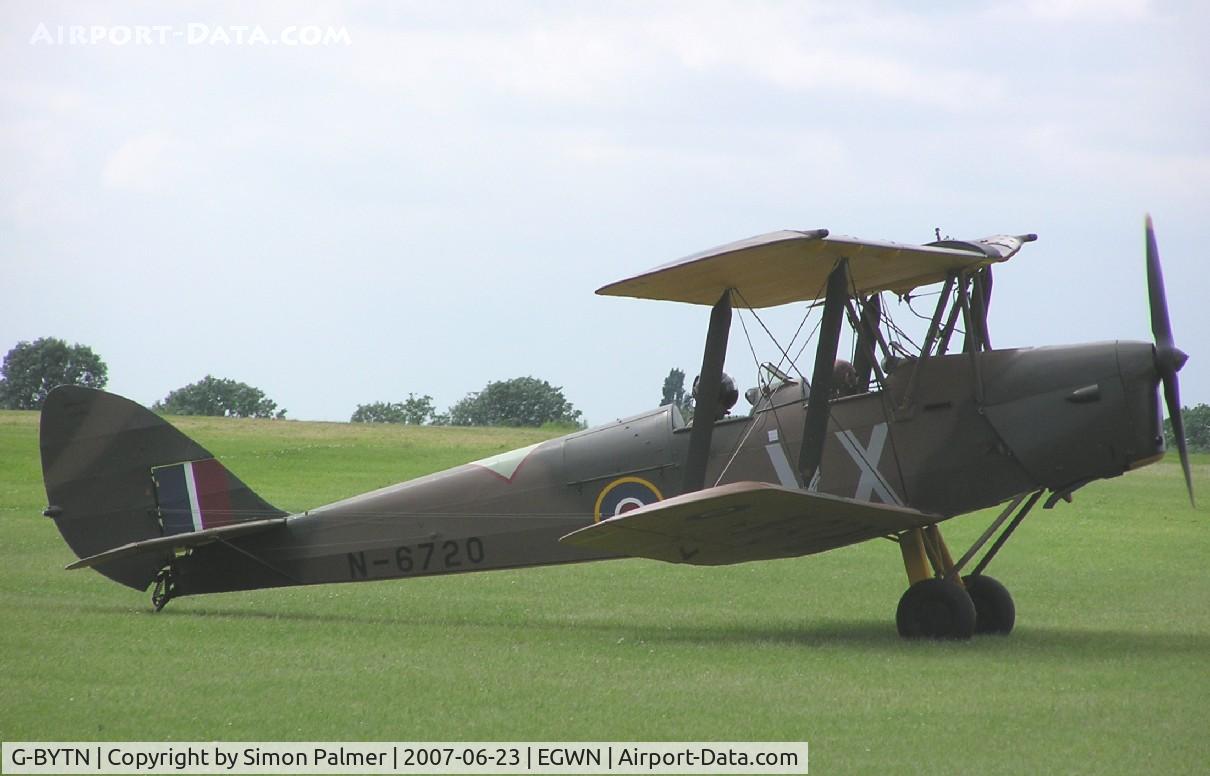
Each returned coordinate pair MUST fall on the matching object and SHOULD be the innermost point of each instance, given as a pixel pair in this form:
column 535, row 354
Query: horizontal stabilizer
column 790, row 266
column 178, row 541
column 744, row 521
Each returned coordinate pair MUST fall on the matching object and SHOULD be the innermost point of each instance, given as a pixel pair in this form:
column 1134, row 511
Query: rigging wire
column 785, row 355
column 907, row 298
column 803, row 322
column 806, row 342
column 739, row 445
column 892, row 326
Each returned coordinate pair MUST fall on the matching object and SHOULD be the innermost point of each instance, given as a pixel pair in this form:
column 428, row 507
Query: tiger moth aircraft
column 886, row 446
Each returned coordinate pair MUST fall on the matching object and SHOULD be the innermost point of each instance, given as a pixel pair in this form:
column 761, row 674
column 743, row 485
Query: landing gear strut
column 165, row 588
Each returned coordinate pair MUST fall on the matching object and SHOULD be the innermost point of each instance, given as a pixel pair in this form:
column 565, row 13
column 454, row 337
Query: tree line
column 32, row 369
column 521, row 401
column 1197, row 428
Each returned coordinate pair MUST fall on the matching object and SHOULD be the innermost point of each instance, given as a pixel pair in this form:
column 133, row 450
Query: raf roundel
column 624, row 494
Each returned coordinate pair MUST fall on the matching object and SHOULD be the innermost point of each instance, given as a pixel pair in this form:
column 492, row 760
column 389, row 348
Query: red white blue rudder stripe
column 193, row 496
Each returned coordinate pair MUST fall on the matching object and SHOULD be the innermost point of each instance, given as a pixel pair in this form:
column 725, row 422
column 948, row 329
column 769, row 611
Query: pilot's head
column 844, row 379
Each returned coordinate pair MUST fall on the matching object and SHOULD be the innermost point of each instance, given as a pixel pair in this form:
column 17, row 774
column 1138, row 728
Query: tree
column 521, row 401
column 1197, row 428
column 414, row 410
column 674, row 393
column 219, row 397
column 32, row 369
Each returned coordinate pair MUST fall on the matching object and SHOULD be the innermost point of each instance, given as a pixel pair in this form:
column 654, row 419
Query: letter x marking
column 867, row 460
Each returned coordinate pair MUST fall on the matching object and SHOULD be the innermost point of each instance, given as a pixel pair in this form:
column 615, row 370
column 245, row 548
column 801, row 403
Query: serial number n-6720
column 421, row 558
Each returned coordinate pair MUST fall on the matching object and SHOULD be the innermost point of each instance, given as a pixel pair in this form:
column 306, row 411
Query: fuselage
column 968, row 431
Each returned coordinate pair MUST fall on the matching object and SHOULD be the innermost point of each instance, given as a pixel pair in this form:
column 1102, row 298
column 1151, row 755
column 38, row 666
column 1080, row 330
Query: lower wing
column 745, row 521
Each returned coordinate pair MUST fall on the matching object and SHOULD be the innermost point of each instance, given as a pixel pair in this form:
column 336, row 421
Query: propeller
column 1168, row 357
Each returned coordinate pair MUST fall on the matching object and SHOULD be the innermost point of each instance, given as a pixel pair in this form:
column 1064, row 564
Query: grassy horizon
column 1107, row 672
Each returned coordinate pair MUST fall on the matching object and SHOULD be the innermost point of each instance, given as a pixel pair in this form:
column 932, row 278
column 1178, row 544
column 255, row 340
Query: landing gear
column 994, row 608
column 938, row 605
column 165, row 588
column 936, row 608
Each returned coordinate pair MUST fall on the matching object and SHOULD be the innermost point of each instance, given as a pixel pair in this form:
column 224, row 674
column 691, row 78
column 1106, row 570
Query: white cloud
column 147, row 163
column 1148, row 172
column 1088, row 10
column 862, row 51
column 605, row 59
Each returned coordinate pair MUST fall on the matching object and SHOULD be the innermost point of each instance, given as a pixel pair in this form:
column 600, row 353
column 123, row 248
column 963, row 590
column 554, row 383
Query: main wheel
column 935, row 609
column 994, row 608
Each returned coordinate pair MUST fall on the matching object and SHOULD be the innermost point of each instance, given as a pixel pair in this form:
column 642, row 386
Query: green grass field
column 1107, row 672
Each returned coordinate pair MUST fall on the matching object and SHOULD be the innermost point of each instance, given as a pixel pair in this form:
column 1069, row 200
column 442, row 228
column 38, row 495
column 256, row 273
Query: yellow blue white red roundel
column 623, row 495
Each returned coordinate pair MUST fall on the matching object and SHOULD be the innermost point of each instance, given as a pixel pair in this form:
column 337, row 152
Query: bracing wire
column 739, row 445
column 900, row 333
column 773, row 339
column 785, row 355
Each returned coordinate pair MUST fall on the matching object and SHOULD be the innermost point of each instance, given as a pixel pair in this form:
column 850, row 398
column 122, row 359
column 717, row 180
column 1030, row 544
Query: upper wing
column 166, row 544
column 745, row 521
column 790, row 266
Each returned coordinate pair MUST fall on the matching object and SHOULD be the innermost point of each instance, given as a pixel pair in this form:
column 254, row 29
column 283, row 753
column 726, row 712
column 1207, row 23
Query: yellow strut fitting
column 915, row 561
column 933, row 534
column 931, row 551
column 942, row 552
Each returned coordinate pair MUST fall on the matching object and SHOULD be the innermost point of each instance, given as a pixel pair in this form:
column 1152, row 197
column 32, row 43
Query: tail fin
column 116, row 473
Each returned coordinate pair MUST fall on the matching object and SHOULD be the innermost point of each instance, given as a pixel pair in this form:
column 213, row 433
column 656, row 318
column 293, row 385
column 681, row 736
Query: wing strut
column 980, row 298
column 972, row 343
column 709, row 385
column 866, row 360
column 929, row 337
column 947, row 331
column 815, row 426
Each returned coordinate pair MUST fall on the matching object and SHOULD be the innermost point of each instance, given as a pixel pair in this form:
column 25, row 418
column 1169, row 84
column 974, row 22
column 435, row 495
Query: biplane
column 887, row 445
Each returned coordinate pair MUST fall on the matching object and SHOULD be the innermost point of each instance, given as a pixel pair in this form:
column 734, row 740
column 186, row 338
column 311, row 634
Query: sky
column 342, row 203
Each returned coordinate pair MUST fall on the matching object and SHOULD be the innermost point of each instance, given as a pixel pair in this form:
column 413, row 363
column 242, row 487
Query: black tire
column 935, row 609
column 995, row 611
